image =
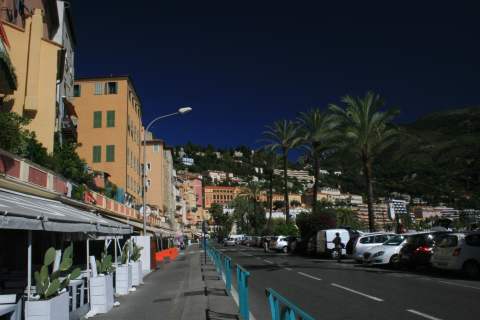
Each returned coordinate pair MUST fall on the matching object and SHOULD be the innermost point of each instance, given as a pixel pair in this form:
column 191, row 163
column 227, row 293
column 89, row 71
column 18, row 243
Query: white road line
column 268, row 261
column 459, row 285
column 357, row 292
column 288, row 269
column 309, row 276
column 426, row 316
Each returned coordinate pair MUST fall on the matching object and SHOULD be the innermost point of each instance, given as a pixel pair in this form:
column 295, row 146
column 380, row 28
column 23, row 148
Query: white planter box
column 54, row 309
column 137, row 273
column 123, row 279
column 101, row 293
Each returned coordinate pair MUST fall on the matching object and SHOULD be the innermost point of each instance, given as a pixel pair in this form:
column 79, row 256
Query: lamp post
column 180, row 111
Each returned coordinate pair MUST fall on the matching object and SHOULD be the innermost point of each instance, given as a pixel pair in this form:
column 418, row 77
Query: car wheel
column 471, row 269
column 285, row 249
column 395, row 261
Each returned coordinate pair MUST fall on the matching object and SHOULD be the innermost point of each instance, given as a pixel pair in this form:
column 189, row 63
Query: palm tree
column 270, row 163
column 283, row 136
column 367, row 131
column 317, row 130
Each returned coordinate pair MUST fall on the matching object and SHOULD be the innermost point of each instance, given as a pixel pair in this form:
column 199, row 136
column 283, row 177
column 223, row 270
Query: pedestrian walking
column 337, row 241
column 265, row 244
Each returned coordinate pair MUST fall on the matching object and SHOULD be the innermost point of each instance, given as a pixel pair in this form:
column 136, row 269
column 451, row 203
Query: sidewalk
column 184, row 289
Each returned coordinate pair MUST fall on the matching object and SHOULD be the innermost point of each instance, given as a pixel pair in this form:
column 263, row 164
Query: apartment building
column 30, row 29
column 110, row 130
column 155, row 176
column 220, row 195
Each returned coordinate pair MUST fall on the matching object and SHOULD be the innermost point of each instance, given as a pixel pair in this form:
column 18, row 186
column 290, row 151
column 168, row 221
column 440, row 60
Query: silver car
column 367, row 241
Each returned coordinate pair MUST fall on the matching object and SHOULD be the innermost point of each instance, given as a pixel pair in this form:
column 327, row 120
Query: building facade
column 109, row 130
column 219, row 195
column 30, row 29
column 67, row 120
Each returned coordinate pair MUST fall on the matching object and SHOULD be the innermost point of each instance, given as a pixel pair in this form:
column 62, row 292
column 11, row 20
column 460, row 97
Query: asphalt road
column 328, row 290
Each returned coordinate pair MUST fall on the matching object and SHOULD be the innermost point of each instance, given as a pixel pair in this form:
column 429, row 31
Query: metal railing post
column 281, row 308
column 228, row 274
column 242, row 281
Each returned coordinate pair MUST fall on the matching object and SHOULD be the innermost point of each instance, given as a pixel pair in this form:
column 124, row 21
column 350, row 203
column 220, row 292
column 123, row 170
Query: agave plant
column 50, row 284
column 126, row 253
column 104, row 265
column 136, row 252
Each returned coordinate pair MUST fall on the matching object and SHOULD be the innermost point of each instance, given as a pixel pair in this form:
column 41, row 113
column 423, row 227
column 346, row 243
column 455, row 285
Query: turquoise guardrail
column 282, row 309
column 227, row 267
column 242, row 283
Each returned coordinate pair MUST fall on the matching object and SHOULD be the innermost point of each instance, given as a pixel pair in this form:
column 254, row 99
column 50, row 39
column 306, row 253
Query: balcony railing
column 19, row 170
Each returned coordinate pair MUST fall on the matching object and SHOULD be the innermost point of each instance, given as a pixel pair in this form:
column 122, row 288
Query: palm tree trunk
column 368, row 179
column 270, row 199
column 285, row 185
column 315, row 184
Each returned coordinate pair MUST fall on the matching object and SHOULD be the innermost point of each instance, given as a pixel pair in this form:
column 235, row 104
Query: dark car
column 417, row 251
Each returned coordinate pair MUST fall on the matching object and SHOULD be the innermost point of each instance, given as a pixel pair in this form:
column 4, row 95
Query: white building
column 65, row 36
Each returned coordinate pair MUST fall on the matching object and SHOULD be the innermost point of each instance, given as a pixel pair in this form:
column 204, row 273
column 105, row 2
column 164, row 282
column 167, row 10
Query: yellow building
column 34, row 57
column 110, row 130
column 155, row 184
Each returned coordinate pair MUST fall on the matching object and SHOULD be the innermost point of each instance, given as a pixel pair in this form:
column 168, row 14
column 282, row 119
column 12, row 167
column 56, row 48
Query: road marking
column 268, row 261
column 426, row 316
column 309, row 276
column 357, row 292
column 459, row 285
column 288, row 269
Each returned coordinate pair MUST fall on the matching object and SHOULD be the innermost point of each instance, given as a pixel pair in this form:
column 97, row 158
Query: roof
column 24, row 212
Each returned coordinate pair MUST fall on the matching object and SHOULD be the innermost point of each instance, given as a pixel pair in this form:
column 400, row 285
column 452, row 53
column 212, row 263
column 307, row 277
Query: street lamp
column 180, row 111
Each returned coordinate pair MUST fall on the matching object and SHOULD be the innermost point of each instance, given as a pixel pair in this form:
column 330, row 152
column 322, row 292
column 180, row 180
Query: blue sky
column 244, row 64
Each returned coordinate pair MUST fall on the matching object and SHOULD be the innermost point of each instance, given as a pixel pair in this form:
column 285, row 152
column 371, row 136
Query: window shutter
column 97, row 154
column 111, row 118
column 97, row 119
column 99, row 88
column 110, row 153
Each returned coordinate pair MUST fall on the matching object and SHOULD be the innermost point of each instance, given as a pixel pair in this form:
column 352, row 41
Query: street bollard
column 242, row 282
column 281, row 308
column 228, row 274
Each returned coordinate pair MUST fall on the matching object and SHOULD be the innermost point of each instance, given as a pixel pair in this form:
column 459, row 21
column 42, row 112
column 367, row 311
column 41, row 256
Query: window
column 366, row 240
column 112, row 88
column 473, row 240
column 97, row 154
column 77, row 90
column 110, row 153
column 97, row 119
column 111, row 118
column 98, row 88
column 380, row 238
column 156, row 148
column 149, row 167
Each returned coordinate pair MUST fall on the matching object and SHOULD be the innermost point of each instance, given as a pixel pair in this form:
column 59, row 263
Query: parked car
column 324, row 241
column 279, row 243
column 417, row 250
column 230, row 242
column 386, row 253
column 367, row 241
column 459, row 252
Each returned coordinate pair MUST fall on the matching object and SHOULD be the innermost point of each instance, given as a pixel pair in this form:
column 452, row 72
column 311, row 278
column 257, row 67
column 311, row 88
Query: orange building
column 110, row 128
column 220, row 195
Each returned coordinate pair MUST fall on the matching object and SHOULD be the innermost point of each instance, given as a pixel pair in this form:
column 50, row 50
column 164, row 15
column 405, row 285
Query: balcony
column 21, row 175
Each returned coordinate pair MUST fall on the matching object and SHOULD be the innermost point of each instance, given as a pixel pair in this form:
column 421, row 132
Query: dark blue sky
column 243, row 64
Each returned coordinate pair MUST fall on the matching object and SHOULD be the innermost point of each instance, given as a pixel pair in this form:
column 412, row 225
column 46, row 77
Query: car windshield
column 395, row 241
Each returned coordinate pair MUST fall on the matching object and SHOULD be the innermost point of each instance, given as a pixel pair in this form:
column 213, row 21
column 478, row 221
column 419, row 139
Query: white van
column 325, row 241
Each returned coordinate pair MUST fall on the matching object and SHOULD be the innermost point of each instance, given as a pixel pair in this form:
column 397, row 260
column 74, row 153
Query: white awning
column 26, row 212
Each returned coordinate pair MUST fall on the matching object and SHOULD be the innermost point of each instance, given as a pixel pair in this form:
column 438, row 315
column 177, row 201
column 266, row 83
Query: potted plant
column 51, row 301
column 101, row 286
column 123, row 273
column 137, row 272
